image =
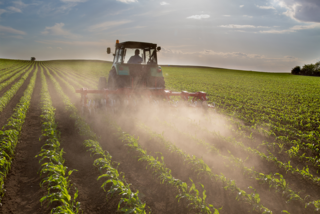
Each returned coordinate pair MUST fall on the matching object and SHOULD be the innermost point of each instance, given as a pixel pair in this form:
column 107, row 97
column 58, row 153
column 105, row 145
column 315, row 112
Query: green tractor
column 135, row 66
column 135, row 73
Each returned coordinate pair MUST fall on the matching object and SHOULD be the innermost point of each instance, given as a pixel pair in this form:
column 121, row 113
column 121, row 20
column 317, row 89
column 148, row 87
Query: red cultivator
column 110, row 98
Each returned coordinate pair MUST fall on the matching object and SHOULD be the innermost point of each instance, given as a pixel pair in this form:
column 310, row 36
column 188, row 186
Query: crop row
column 301, row 134
column 87, row 79
column 7, row 96
column 299, row 142
column 248, row 133
column 75, row 80
column 303, row 173
column 130, row 201
column 202, row 169
column 275, row 181
column 9, row 73
column 4, row 84
column 5, row 69
column 56, row 174
column 9, row 135
column 70, row 87
column 157, row 166
column 296, row 149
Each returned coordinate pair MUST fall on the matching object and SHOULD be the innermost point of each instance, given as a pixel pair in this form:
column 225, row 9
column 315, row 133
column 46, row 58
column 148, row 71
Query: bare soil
column 22, row 184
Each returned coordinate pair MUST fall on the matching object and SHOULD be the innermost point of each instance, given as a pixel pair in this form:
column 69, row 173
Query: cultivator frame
column 199, row 99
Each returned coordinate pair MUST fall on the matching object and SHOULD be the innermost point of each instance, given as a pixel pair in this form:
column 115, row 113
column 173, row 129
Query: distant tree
column 296, row 70
column 308, row 69
column 317, row 68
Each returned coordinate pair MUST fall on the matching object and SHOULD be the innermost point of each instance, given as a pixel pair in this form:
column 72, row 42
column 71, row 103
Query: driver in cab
column 136, row 59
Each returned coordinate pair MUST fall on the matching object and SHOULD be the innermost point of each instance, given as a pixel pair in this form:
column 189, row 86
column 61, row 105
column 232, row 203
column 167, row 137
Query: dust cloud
column 194, row 130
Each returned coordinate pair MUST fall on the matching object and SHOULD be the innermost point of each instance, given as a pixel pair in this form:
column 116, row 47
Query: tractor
column 134, row 74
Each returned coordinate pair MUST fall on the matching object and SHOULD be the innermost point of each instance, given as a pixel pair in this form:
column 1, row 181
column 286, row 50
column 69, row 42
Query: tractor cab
column 135, row 65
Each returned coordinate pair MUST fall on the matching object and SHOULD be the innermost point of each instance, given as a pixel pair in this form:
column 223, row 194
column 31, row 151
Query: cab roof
column 132, row 44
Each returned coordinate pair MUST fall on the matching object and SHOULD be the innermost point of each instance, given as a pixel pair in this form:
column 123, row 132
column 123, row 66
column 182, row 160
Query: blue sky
column 261, row 35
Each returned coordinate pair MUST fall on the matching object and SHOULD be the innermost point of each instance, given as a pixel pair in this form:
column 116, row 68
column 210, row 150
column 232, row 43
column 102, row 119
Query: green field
column 259, row 146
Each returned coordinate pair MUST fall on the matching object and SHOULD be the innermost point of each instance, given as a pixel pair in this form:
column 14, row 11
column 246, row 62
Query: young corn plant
column 202, row 169
column 191, row 194
column 130, row 202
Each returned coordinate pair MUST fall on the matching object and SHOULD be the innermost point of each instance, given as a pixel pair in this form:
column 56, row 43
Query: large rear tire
column 161, row 82
column 112, row 79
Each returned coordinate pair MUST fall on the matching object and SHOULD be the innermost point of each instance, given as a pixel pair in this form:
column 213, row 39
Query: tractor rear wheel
column 161, row 82
column 112, row 79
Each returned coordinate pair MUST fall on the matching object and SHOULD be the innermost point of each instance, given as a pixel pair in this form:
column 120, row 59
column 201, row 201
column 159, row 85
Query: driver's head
column 137, row 52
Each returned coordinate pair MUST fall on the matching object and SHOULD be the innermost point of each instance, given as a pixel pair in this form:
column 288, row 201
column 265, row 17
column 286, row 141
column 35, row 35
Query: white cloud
column 265, row 7
column 75, row 43
column 163, row 3
column 227, row 15
column 242, row 26
column 73, row 1
column 248, row 16
column 227, row 55
column 64, row 7
column 58, row 30
column 241, row 6
column 107, row 25
column 14, row 9
column 301, row 10
column 19, row 4
column 292, row 29
column 18, row 37
column 127, row 1
column 198, row 17
column 11, row 30
column 2, row 11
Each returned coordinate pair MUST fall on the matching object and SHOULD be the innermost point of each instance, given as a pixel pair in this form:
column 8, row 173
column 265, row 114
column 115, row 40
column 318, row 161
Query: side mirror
column 158, row 48
column 108, row 50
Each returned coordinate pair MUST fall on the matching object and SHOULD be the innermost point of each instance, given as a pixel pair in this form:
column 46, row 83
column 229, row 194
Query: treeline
column 309, row 70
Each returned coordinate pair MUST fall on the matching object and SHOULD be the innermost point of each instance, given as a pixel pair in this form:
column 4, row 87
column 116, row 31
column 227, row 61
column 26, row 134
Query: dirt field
column 22, row 184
